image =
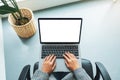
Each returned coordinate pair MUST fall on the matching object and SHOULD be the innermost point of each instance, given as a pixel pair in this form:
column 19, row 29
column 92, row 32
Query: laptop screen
column 60, row 30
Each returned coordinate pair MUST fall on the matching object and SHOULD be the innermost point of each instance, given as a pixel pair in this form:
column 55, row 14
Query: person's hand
column 49, row 64
column 71, row 61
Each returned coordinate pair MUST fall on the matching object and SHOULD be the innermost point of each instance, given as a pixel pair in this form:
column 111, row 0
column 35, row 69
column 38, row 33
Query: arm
column 73, row 65
column 47, row 67
column 39, row 75
column 80, row 74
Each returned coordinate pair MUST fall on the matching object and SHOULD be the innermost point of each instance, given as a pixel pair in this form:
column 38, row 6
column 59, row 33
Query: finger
column 72, row 55
column 51, row 57
column 66, row 52
column 53, row 66
column 66, row 63
column 53, row 60
column 46, row 58
column 66, row 57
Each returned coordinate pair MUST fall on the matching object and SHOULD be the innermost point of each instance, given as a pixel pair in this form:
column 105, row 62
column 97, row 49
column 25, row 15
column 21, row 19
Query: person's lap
column 60, row 75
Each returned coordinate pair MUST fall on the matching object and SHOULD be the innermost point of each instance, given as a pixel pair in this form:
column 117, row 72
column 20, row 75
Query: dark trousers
column 60, row 75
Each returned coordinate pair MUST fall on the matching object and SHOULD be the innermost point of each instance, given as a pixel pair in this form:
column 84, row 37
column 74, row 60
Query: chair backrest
column 86, row 64
column 25, row 74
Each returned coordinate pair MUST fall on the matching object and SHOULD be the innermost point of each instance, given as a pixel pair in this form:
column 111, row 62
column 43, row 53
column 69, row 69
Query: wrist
column 48, row 72
column 75, row 68
column 45, row 71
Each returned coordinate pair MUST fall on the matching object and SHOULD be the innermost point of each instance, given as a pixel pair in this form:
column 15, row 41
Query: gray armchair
column 86, row 64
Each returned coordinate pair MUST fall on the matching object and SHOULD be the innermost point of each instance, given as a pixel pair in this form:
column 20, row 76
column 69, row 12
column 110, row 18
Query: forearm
column 80, row 74
column 39, row 75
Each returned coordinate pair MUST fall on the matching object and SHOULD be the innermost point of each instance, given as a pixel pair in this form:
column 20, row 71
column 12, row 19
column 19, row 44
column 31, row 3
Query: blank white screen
column 60, row 30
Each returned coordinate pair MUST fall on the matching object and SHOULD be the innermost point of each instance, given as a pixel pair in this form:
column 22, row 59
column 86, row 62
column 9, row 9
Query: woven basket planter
column 27, row 30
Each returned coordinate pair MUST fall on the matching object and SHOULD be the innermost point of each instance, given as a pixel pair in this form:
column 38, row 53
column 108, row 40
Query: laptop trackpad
column 61, row 66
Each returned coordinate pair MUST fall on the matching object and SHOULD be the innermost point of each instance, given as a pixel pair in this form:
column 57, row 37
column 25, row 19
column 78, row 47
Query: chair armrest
column 101, row 70
column 25, row 73
column 36, row 65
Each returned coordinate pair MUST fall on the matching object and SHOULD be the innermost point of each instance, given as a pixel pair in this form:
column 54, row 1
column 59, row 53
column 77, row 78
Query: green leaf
column 4, row 2
column 7, row 9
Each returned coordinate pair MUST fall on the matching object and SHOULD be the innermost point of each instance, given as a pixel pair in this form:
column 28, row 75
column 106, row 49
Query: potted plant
column 21, row 19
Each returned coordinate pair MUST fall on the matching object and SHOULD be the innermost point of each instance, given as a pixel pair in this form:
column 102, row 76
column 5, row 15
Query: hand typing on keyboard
column 49, row 64
column 70, row 61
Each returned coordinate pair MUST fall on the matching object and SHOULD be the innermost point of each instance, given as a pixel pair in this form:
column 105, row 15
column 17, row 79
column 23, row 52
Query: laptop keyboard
column 58, row 51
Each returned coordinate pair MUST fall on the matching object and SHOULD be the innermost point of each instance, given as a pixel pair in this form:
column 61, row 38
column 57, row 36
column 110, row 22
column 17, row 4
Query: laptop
column 58, row 35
